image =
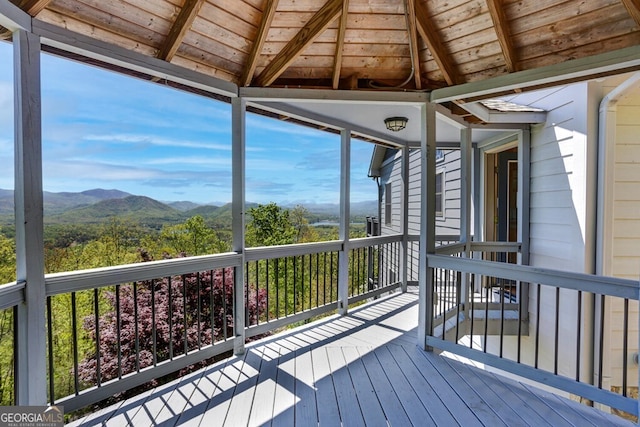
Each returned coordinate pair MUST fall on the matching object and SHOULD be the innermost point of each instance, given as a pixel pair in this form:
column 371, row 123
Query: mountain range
column 97, row 205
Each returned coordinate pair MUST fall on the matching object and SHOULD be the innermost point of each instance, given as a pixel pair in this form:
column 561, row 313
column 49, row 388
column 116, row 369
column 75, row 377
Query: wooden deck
column 363, row 369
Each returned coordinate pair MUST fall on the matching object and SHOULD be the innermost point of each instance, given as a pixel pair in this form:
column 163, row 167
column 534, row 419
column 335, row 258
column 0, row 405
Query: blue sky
column 104, row 130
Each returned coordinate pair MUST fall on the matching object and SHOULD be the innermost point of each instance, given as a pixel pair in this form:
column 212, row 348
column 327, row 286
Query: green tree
column 193, row 237
column 7, row 260
column 7, row 274
column 304, row 232
column 270, row 225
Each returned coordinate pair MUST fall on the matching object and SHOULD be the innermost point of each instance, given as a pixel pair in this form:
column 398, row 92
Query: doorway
column 501, row 198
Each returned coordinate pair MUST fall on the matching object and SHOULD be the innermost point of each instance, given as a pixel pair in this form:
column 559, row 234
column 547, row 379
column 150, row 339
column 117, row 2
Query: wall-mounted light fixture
column 396, row 124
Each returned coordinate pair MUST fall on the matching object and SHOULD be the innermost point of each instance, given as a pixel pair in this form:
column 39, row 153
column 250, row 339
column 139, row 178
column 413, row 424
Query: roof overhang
column 601, row 65
column 489, row 115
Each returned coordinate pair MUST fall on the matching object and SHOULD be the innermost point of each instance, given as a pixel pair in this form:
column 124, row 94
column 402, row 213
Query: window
column 387, row 203
column 439, row 194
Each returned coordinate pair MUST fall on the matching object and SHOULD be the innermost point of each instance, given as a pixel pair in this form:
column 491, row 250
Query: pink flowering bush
column 186, row 312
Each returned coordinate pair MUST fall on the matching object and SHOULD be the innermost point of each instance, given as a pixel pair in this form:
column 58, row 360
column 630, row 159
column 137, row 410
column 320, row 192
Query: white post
column 427, row 220
column 404, row 252
column 31, row 375
column 238, row 114
column 345, row 213
column 466, row 154
column 524, row 176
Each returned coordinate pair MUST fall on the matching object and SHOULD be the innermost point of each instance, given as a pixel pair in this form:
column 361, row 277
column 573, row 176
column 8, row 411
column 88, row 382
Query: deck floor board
column 363, row 369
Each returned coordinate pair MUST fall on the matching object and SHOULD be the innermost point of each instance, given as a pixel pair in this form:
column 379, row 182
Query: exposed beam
column 269, row 11
column 326, row 95
column 604, row 64
column 13, row 18
column 337, row 59
column 501, row 25
column 316, row 25
column 633, row 6
column 79, row 44
column 437, row 49
column 179, row 28
column 33, row 7
column 413, row 41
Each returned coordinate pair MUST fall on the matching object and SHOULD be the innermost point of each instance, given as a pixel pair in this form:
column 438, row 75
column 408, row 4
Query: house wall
column 562, row 151
column 447, row 224
column 562, row 228
column 391, row 171
column 624, row 258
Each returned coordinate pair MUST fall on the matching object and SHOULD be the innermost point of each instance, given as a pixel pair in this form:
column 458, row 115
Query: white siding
column 449, row 223
column 626, row 189
column 558, row 183
column 558, row 221
column 625, row 256
column 391, row 172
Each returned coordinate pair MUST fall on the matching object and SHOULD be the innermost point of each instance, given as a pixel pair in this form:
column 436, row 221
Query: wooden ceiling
column 353, row 44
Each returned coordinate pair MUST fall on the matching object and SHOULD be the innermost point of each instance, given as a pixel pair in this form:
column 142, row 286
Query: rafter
column 413, row 42
column 633, row 6
column 437, row 49
column 33, row 7
column 501, row 25
column 179, row 28
column 269, row 11
column 337, row 61
column 316, row 25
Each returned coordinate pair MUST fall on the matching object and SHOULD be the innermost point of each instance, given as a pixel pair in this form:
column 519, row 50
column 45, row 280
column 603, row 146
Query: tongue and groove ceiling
column 353, row 44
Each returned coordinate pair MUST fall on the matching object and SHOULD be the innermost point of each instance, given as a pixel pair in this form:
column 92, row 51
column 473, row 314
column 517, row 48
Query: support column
column 466, row 155
column 478, row 207
column 31, row 372
column 465, row 185
column 427, row 221
column 524, row 166
column 345, row 213
column 404, row 224
column 238, row 115
column 524, row 176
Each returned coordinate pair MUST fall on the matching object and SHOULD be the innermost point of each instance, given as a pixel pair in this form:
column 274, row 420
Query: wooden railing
column 110, row 330
column 547, row 326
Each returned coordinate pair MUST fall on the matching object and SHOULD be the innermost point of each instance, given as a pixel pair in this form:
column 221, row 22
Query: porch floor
column 361, row 369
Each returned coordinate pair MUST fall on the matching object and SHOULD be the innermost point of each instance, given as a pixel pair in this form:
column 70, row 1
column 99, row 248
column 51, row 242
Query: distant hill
column 98, row 205
column 55, row 203
column 183, row 206
column 138, row 208
column 205, row 210
column 59, row 202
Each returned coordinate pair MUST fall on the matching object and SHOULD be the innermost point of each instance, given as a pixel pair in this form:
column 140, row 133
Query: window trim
column 388, row 204
column 440, row 214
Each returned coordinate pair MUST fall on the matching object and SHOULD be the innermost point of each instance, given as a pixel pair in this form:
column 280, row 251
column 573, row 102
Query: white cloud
column 155, row 140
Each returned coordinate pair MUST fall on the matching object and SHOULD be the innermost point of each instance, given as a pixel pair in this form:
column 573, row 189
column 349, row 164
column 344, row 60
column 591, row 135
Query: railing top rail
column 439, row 238
column 74, row 281
column 496, row 246
column 270, row 252
column 451, row 249
column 613, row 286
column 371, row 241
column 11, row 294
column 447, row 237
